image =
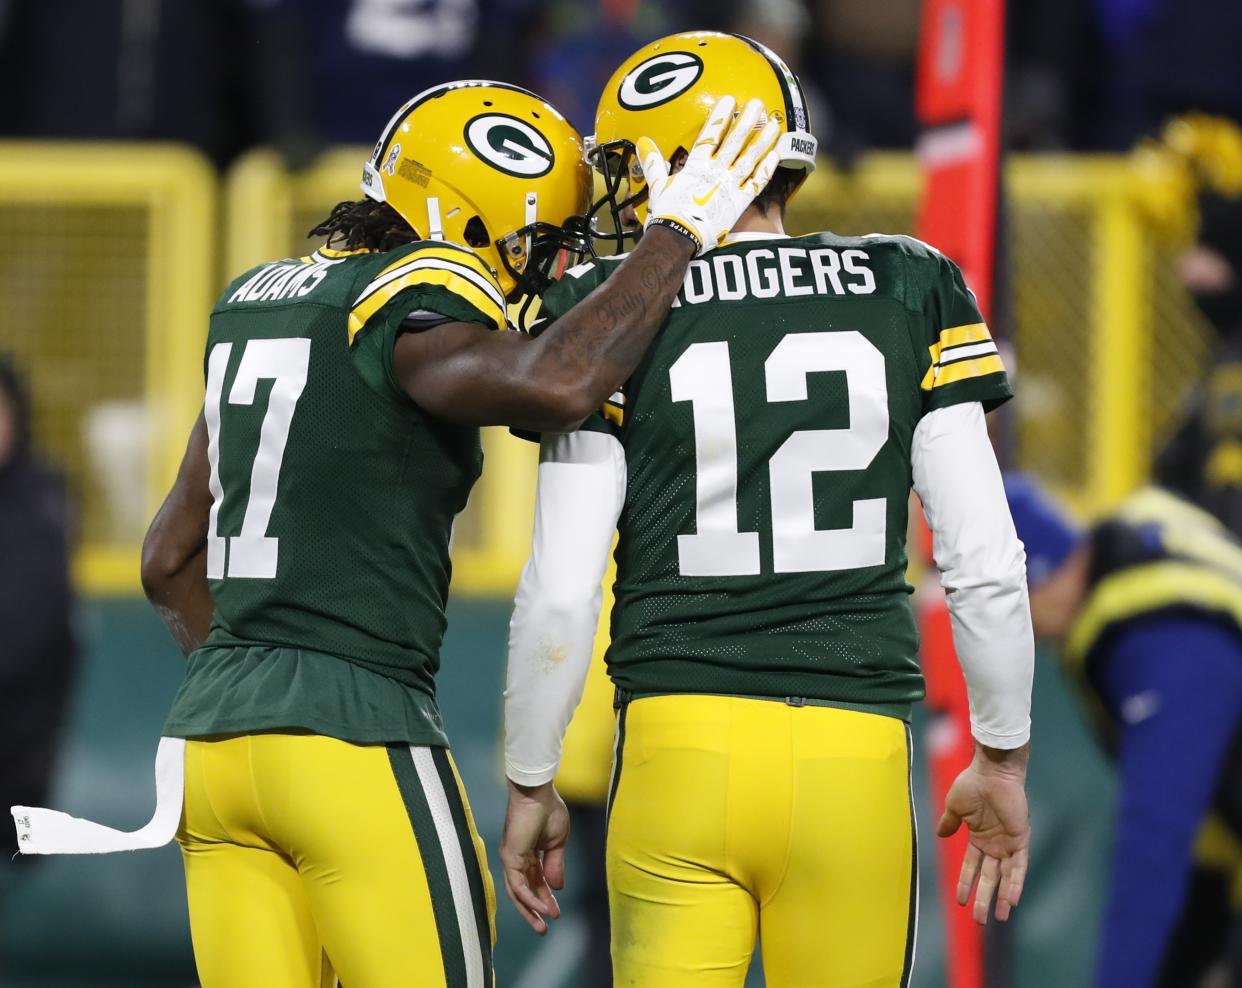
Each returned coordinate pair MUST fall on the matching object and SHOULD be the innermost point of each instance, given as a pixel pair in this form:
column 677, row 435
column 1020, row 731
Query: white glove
column 721, row 176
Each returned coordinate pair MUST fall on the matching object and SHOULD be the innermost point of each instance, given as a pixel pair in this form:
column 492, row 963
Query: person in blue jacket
column 1146, row 607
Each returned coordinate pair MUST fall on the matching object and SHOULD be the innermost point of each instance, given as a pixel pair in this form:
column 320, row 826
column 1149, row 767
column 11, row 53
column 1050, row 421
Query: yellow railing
column 67, row 205
column 1105, row 342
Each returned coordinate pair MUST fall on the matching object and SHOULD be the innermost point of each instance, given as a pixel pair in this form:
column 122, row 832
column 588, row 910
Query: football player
column 301, row 559
column 758, row 466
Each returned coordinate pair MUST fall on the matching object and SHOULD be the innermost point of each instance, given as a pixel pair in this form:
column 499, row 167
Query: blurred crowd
column 300, row 74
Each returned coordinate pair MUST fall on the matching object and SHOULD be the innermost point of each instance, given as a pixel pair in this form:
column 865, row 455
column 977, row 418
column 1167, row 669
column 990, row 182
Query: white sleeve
column 555, row 612
column 982, row 567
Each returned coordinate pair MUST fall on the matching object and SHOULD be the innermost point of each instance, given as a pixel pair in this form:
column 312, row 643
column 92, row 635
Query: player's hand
column 990, row 798
column 725, row 170
column 532, row 852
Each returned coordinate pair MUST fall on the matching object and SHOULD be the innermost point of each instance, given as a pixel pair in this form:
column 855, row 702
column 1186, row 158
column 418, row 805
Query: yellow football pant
column 308, row 858
column 736, row 819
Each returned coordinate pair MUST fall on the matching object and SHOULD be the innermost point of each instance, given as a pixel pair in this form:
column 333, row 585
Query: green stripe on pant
column 434, row 865
column 473, row 865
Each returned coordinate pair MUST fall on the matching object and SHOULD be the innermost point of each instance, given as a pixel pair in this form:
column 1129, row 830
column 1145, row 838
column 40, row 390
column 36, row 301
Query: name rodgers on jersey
column 766, row 272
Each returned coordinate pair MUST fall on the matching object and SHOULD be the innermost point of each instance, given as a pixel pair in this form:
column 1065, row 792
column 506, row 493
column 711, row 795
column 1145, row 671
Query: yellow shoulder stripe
column 961, row 352
column 957, row 336
column 976, row 332
column 457, row 255
column 964, row 369
column 458, row 271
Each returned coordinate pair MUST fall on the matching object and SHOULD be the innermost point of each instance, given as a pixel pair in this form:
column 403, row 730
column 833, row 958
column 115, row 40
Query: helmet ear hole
column 476, row 232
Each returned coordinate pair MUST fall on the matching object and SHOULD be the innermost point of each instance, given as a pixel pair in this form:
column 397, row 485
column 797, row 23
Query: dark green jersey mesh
column 335, row 501
column 774, row 415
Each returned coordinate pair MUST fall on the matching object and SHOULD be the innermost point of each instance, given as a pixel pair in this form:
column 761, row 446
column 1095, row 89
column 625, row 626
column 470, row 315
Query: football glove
column 721, row 177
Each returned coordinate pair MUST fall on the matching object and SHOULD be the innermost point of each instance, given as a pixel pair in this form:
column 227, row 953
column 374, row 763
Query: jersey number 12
column 253, row 553
column 703, row 376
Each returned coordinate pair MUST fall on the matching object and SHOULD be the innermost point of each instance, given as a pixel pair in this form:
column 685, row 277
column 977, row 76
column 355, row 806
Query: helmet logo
column 510, row 145
column 659, row 79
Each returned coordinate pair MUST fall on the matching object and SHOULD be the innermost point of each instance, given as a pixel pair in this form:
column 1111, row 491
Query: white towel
column 42, row 831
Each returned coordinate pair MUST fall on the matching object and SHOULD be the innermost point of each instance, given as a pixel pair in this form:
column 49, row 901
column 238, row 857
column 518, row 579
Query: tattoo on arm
column 551, row 382
column 602, row 339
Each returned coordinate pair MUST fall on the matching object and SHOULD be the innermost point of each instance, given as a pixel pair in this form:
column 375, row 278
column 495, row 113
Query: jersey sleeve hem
column 1003, row 742
column 991, row 390
column 527, row 777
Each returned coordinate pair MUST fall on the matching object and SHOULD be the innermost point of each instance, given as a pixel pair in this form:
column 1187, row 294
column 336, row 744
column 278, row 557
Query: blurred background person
column 1203, row 460
column 1146, row 608
column 37, row 643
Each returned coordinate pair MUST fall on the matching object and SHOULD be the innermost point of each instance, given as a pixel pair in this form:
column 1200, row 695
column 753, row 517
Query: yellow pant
column 309, row 858
column 734, row 819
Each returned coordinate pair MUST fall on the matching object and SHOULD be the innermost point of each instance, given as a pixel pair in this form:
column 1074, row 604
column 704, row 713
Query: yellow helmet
column 491, row 167
column 666, row 90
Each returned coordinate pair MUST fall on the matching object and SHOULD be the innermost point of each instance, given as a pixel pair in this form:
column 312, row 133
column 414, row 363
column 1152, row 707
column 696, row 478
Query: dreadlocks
column 364, row 224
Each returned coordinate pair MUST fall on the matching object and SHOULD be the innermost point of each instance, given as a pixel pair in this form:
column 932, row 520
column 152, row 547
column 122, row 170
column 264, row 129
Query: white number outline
column 716, row 548
column 253, row 554
column 702, row 375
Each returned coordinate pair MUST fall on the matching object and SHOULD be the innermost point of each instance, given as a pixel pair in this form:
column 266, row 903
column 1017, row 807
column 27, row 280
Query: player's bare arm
column 464, row 372
column 174, row 553
column 553, row 382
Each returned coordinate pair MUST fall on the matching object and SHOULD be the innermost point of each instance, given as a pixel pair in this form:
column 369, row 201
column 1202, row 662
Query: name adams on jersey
column 334, row 496
column 768, row 436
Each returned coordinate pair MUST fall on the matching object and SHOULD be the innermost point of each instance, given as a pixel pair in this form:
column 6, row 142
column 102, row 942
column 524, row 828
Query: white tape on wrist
column 42, row 831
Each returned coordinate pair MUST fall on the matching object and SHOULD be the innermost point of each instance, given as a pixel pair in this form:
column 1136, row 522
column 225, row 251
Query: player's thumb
column 554, row 867
column 948, row 824
column 655, row 167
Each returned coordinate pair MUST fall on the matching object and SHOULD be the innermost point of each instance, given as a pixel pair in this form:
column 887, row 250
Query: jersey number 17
column 253, row 553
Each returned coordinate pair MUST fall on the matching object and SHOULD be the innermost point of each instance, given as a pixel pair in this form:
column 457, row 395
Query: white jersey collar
column 748, row 236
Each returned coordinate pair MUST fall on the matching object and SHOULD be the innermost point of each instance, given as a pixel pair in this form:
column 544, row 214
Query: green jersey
column 334, row 497
column 767, row 435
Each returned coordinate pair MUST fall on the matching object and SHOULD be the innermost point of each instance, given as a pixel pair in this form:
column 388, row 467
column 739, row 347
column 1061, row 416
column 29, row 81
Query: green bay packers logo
column 659, row 79
column 510, row 145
